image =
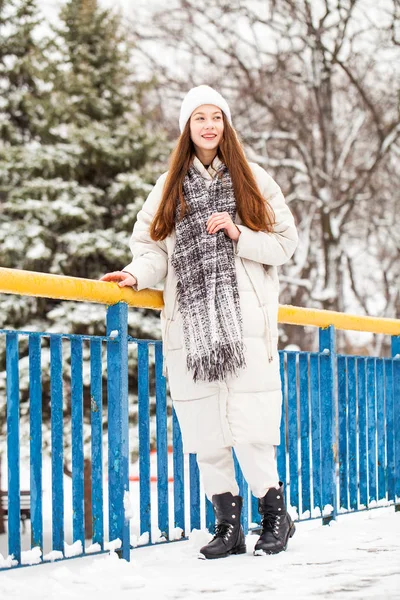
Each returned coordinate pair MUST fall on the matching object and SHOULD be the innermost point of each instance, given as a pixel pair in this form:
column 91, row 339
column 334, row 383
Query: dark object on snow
column 229, row 536
column 277, row 525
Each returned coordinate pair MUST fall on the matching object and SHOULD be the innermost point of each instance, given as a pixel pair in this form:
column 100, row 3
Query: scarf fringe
column 223, row 360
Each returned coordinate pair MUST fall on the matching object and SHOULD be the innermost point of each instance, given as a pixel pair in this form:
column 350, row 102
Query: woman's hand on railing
column 123, row 278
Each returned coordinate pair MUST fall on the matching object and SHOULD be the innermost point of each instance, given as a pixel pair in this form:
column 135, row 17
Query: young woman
column 215, row 227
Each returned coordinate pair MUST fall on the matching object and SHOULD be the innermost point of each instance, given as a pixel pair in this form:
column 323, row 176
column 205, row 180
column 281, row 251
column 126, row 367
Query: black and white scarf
column 208, row 295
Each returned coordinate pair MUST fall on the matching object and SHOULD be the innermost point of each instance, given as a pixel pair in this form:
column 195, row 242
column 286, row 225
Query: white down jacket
column 239, row 410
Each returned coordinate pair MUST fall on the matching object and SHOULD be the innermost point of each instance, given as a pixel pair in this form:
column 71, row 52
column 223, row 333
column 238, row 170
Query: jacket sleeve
column 277, row 247
column 150, row 259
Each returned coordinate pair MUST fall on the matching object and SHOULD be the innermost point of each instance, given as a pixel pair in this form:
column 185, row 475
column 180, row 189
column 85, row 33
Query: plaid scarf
column 207, row 289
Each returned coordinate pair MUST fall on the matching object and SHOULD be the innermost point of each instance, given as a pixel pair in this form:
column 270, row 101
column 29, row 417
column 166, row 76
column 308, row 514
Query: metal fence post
column 194, row 481
column 327, row 400
column 162, row 445
column 118, row 426
column 13, row 446
column 144, row 438
column 57, row 442
column 244, row 493
column 179, row 474
column 96, row 418
column 396, row 417
column 35, row 434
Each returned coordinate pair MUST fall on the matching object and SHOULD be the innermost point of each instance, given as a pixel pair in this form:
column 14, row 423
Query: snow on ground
column 356, row 557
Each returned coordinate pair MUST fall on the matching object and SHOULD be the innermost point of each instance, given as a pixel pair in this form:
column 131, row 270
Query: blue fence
column 339, row 452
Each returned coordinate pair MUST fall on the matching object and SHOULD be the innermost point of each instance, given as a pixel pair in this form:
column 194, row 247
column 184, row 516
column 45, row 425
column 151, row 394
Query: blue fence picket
column 118, row 426
column 304, row 433
column 396, row 412
column 380, row 430
column 326, row 363
column 352, row 431
column 244, row 493
column 144, row 438
column 281, row 449
column 293, row 430
column 35, row 427
column 57, row 452
column 96, row 418
column 179, row 479
column 77, row 441
column 362, row 429
column 315, row 430
column 162, row 444
column 389, row 402
column 255, row 515
column 13, row 447
column 210, row 515
column 371, row 415
column 194, row 480
column 342, row 429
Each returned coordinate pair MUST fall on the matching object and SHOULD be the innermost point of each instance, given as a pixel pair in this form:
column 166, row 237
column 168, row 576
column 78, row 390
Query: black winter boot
column 229, row 536
column 277, row 524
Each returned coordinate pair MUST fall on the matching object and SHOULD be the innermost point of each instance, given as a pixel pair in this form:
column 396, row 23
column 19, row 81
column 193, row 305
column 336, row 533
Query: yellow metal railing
column 29, row 283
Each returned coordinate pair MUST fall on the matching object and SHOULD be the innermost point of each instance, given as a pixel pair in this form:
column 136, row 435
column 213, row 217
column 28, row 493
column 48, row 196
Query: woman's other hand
column 222, row 220
column 123, row 278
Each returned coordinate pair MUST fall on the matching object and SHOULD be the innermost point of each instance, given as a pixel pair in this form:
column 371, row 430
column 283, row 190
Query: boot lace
column 222, row 530
column 271, row 522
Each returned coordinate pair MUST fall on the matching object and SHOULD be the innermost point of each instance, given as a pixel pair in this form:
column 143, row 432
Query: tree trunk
column 332, row 263
column 88, row 499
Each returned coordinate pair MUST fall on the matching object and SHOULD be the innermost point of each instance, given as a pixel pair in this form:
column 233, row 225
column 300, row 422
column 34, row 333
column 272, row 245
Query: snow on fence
column 340, row 433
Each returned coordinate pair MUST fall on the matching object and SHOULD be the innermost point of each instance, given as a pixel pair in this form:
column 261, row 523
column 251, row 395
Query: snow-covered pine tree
column 21, row 73
column 72, row 186
column 21, row 120
column 22, row 125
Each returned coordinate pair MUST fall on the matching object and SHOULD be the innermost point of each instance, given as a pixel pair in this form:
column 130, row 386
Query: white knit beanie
column 202, row 94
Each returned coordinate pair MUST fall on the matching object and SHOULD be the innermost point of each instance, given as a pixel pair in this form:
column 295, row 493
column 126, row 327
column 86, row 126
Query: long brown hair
column 253, row 209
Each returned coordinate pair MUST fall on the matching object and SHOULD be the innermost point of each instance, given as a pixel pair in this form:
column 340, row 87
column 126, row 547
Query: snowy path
column 356, row 557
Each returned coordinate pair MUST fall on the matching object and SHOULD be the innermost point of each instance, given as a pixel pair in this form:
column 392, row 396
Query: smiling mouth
column 208, row 137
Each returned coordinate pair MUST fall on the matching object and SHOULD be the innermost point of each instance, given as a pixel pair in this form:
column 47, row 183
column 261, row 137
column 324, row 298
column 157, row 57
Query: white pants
column 257, row 461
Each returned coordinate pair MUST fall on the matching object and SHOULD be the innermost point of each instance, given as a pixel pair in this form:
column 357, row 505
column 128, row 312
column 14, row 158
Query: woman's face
column 206, row 127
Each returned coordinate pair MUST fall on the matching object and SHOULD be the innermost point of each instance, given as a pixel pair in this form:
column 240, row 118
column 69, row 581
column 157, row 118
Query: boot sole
column 239, row 550
column 262, row 552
